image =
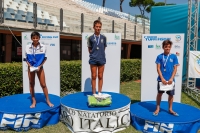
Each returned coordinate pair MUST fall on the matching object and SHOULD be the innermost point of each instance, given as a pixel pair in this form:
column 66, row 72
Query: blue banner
column 170, row 19
column 156, row 127
column 23, row 122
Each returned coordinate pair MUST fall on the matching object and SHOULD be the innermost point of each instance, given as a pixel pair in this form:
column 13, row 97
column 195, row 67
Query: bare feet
column 50, row 104
column 33, row 103
column 173, row 113
column 155, row 113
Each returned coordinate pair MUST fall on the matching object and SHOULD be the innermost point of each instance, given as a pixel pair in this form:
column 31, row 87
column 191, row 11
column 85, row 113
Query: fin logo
column 19, row 121
column 158, row 127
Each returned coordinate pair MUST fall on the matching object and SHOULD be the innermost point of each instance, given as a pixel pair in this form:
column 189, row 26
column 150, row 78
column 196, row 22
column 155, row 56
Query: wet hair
column 97, row 22
column 166, row 42
column 35, row 33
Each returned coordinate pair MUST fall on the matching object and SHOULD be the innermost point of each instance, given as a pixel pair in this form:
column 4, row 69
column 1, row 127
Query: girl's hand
column 39, row 68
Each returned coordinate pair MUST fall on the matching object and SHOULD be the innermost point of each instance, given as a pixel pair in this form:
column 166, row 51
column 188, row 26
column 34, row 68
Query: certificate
column 166, row 87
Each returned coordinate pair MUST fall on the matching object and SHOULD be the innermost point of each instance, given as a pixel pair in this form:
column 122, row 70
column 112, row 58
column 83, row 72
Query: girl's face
column 97, row 28
column 167, row 48
column 35, row 39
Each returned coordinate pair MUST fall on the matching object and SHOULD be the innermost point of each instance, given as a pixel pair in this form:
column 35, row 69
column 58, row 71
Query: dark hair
column 166, row 42
column 97, row 22
column 35, row 33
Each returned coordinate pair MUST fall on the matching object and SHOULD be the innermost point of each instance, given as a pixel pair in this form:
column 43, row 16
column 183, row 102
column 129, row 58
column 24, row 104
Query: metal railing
column 76, row 22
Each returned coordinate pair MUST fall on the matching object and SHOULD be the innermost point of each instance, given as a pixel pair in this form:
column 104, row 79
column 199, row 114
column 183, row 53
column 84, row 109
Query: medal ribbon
column 34, row 51
column 98, row 39
column 165, row 61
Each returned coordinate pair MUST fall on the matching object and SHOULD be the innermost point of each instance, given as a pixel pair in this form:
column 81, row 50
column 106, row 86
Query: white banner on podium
column 111, row 77
column 151, row 48
column 194, row 64
column 86, row 121
column 51, row 66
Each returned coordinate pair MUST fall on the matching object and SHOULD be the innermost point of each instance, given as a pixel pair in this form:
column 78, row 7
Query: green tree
column 148, row 9
column 141, row 4
column 121, row 1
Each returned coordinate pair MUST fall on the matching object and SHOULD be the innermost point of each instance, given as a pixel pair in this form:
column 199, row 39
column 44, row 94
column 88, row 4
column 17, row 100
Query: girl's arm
column 25, row 58
column 29, row 65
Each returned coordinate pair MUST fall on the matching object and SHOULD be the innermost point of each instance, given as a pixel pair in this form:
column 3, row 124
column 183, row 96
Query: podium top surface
column 144, row 110
column 20, row 103
column 79, row 101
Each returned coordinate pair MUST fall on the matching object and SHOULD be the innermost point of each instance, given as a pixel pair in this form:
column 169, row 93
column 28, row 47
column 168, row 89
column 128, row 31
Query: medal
column 165, row 62
column 97, row 48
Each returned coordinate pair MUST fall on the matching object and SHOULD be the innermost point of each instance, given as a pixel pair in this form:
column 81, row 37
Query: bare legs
column 158, row 99
column 94, row 76
column 41, row 77
column 31, row 76
column 170, row 102
column 100, row 77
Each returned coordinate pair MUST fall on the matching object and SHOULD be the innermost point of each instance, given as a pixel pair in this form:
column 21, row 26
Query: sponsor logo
column 19, row 122
column 29, row 43
column 155, row 38
column 86, row 37
column 177, row 46
column 44, row 43
column 158, row 46
column 117, row 37
column 48, row 37
column 52, row 44
column 158, row 127
column 177, row 74
column 177, row 53
column 150, row 46
column 178, row 38
column 26, row 37
column 111, row 43
column 197, row 63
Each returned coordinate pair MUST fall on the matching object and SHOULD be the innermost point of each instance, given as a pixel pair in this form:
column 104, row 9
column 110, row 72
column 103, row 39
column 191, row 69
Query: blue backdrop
column 171, row 19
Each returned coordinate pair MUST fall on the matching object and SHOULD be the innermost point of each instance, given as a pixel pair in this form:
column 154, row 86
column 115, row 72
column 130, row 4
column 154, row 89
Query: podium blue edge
column 16, row 114
column 142, row 118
